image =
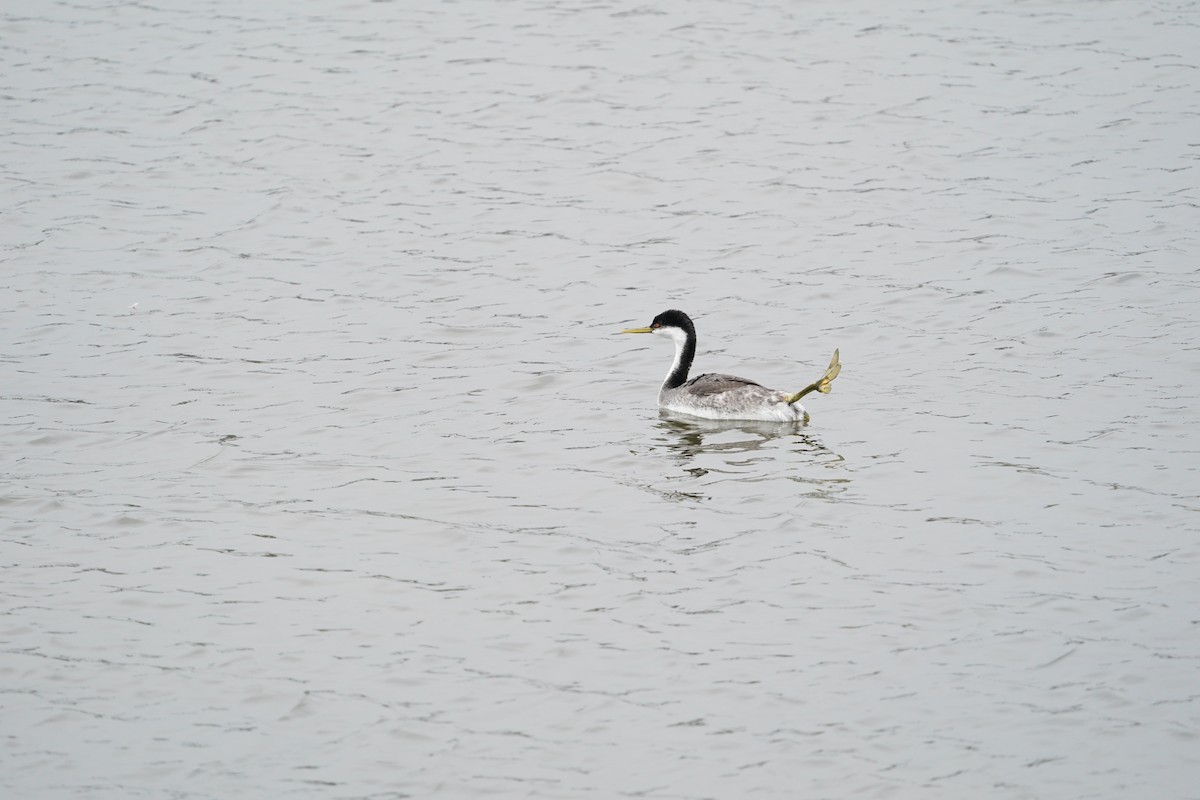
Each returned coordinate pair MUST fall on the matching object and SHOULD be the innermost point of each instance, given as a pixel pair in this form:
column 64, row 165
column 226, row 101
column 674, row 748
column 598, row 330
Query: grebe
column 713, row 396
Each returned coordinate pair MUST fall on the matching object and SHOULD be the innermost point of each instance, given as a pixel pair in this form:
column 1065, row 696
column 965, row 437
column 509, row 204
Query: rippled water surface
column 324, row 474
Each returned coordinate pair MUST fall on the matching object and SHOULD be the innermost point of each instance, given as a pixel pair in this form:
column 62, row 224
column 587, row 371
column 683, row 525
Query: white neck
column 679, row 336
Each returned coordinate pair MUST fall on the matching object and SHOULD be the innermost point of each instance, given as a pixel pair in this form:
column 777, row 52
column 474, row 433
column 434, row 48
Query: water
column 326, row 477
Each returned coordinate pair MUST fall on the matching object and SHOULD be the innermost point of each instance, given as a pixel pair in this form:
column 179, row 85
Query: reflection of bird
column 714, row 396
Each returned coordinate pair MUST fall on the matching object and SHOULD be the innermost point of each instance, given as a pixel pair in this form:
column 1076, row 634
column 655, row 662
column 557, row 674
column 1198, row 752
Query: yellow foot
column 821, row 385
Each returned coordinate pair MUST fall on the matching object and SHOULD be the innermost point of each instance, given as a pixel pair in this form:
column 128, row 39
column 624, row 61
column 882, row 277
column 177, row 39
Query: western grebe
column 714, row 396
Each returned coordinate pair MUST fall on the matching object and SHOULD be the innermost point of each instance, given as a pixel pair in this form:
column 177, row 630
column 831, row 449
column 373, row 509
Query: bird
column 715, row 396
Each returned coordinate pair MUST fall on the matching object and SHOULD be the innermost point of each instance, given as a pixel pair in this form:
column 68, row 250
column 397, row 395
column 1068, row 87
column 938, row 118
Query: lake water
column 325, row 474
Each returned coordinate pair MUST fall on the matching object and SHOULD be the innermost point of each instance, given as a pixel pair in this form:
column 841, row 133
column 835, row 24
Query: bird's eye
column 655, row 325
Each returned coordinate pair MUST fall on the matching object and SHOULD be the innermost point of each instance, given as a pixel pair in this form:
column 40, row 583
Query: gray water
column 324, row 474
